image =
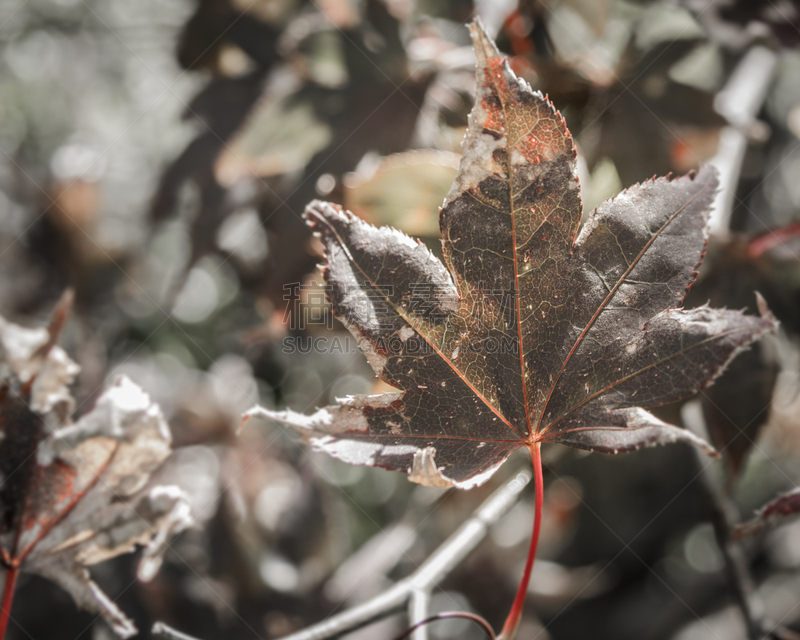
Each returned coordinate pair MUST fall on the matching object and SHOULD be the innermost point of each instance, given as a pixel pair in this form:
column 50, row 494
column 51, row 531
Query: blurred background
column 156, row 156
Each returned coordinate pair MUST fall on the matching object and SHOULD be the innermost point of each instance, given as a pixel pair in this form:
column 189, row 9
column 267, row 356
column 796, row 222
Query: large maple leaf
column 535, row 332
column 537, row 329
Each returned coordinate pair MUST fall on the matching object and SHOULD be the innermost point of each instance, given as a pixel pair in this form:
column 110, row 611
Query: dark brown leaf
column 536, row 330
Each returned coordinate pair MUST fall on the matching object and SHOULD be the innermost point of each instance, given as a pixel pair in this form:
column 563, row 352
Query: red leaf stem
column 515, row 615
column 8, row 597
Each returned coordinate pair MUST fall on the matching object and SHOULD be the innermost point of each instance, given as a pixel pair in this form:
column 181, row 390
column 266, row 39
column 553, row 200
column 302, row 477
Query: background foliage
column 156, row 156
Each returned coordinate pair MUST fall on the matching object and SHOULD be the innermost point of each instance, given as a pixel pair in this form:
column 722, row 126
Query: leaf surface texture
column 535, row 328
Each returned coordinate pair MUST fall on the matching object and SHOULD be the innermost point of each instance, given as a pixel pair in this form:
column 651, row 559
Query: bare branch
column 739, row 101
column 160, row 630
column 417, row 587
column 430, row 573
column 418, row 608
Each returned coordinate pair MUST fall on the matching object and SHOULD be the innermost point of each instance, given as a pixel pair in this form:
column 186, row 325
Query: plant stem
column 771, row 239
column 515, row 615
column 418, row 607
column 161, row 630
column 449, row 615
column 8, row 598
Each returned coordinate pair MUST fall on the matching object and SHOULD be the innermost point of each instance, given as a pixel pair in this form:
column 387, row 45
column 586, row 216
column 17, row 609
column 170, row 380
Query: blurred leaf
column 216, row 23
column 663, row 23
column 737, row 407
column 701, row 68
column 280, row 136
column 584, row 39
column 603, row 184
column 403, row 191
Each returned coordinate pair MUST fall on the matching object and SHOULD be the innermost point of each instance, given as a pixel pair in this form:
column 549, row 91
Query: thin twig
column 379, row 607
column 723, row 517
column 450, row 615
column 12, row 572
column 160, row 630
column 419, row 605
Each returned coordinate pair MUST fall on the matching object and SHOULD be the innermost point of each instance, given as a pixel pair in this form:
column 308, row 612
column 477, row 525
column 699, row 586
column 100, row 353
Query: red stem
column 515, row 615
column 8, row 597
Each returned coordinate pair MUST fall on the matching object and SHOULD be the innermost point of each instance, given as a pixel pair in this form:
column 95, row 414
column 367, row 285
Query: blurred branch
column 724, row 516
column 160, row 630
column 417, row 587
column 418, row 607
column 429, row 574
column 739, row 101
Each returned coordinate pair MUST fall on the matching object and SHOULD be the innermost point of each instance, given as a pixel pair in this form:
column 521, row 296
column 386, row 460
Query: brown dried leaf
column 74, row 494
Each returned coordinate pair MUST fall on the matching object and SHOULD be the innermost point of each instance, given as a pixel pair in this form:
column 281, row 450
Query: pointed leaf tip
column 484, row 46
column 764, row 311
column 60, row 315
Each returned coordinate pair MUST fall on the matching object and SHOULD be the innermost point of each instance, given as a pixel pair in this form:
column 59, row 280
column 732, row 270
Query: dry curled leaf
column 535, row 329
column 781, row 507
column 76, row 493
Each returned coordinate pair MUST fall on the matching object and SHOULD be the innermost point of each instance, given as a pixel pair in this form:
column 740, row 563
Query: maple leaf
column 535, row 329
column 74, row 494
column 534, row 332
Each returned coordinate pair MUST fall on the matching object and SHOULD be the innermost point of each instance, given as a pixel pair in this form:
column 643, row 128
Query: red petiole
column 515, row 615
column 8, row 597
